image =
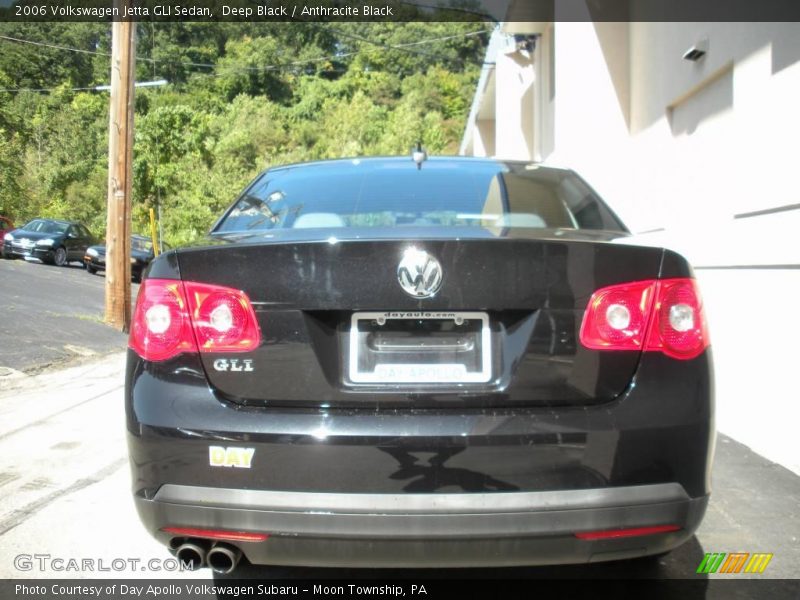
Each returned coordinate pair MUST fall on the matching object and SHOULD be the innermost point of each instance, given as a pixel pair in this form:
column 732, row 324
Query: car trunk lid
column 530, row 292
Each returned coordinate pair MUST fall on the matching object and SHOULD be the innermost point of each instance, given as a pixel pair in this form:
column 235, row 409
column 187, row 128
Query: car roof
column 62, row 221
column 381, row 161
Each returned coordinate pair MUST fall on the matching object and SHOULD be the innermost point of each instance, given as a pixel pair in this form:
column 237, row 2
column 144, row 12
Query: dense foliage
column 241, row 97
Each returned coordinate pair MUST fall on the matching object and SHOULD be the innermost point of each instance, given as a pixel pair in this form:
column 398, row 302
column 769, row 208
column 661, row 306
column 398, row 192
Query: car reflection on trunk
column 435, row 475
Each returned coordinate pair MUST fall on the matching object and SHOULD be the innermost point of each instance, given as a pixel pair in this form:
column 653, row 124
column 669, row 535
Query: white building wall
column 682, row 148
column 704, row 141
column 514, row 85
column 683, row 151
column 590, row 133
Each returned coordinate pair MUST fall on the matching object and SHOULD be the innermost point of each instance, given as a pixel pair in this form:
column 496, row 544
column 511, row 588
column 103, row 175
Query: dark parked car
column 6, row 225
column 49, row 240
column 382, row 365
column 141, row 254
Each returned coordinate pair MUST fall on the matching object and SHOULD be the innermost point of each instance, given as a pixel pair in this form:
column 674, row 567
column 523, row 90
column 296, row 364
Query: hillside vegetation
column 240, row 98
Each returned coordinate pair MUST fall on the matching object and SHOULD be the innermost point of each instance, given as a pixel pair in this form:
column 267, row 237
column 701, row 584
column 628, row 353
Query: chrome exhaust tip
column 223, row 558
column 192, row 554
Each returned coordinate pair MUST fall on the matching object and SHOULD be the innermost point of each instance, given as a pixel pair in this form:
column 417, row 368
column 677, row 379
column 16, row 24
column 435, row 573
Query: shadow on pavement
column 70, row 265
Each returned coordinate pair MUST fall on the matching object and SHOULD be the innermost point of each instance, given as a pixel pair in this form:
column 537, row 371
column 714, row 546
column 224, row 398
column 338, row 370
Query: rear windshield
column 397, row 194
column 141, row 244
column 41, row 226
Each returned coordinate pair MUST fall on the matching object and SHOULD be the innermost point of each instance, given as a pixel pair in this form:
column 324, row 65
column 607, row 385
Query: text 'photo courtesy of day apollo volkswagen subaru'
column 397, row 362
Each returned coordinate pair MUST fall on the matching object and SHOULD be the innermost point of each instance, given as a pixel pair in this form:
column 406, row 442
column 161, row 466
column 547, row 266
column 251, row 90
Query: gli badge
column 234, row 365
column 241, row 458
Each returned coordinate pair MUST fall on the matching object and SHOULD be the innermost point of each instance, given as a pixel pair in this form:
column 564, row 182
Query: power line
column 237, row 68
column 445, row 38
column 339, row 56
column 76, row 89
column 408, row 47
column 222, row 70
column 54, row 46
column 93, row 52
column 96, row 88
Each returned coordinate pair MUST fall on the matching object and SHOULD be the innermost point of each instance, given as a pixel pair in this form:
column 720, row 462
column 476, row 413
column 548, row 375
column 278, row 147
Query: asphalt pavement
column 52, row 316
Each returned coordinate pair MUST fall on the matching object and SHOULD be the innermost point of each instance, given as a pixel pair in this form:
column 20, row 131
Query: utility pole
column 120, row 172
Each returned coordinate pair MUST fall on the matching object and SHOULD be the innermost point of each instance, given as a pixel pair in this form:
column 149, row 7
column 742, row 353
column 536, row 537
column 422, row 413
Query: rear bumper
column 431, row 530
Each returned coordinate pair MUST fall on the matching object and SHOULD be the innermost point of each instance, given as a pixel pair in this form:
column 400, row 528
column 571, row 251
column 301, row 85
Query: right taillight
column 678, row 327
column 172, row 317
column 652, row 315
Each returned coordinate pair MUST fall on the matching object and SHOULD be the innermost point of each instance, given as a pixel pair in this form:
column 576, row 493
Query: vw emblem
column 419, row 273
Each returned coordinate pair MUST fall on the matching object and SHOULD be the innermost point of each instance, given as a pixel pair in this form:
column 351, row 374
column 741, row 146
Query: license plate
column 420, row 347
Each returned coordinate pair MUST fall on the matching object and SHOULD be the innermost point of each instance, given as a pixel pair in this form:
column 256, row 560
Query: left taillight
column 161, row 328
column 172, row 317
column 617, row 316
column 663, row 315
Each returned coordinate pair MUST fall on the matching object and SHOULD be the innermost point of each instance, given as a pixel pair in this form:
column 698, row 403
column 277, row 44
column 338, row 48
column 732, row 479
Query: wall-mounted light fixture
column 696, row 51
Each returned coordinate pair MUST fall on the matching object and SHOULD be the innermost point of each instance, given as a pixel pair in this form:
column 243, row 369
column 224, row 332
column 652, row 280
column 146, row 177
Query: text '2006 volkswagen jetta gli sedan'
column 454, row 362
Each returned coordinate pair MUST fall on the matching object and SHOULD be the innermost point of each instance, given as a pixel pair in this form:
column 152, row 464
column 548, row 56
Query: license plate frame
column 425, row 372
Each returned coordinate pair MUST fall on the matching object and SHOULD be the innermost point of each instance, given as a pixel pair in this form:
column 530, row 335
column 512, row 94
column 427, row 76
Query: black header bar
column 400, row 10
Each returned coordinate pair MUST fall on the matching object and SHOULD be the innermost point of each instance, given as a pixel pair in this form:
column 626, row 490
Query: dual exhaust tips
column 221, row 558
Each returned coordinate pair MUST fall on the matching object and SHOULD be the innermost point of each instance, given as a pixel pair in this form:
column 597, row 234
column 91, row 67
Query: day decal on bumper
column 219, row 456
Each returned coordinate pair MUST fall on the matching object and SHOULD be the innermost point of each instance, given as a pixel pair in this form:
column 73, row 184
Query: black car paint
column 650, row 434
column 605, row 420
column 662, row 403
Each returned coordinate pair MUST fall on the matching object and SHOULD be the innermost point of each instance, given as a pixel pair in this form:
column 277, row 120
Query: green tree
column 241, row 97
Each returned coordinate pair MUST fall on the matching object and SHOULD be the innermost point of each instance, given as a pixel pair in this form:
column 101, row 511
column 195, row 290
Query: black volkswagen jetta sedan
column 380, row 363
column 49, row 240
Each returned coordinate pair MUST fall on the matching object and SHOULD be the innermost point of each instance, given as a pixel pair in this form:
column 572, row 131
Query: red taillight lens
column 617, row 316
column 161, row 327
column 223, row 318
column 652, row 315
column 630, row 532
column 173, row 317
column 217, row 534
column 679, row 327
